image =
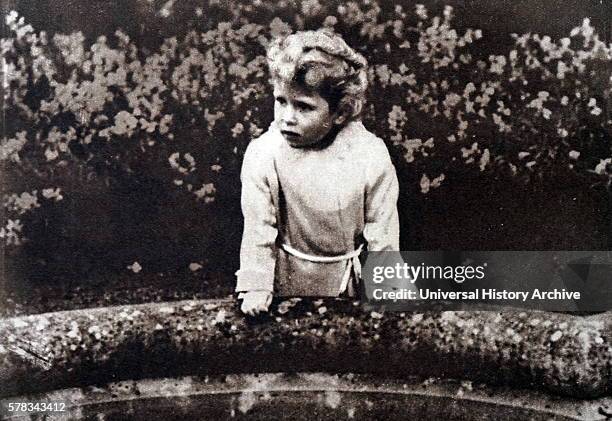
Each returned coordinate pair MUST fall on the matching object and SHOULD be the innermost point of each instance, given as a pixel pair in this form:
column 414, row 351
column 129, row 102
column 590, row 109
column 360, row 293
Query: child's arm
column 381, row 228
column 258, row 248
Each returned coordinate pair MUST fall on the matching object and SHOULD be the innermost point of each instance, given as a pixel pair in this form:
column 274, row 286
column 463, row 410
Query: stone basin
column 307, row 396
column 203, row 359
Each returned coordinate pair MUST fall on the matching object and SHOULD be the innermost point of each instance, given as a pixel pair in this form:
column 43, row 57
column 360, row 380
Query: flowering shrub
column 111, row 112
column 534, row 113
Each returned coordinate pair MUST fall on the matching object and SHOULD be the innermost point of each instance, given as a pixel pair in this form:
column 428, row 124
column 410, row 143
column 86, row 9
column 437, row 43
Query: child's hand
column 254, row 302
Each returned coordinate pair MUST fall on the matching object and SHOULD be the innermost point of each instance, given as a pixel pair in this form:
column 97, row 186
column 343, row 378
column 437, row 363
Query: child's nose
column 289, row 115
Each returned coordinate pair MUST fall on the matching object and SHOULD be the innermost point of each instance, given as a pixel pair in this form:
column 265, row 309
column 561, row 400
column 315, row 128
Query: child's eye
column 305, row 107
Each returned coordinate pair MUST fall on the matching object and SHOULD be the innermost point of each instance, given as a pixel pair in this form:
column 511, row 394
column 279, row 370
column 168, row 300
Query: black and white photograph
column 306, row 210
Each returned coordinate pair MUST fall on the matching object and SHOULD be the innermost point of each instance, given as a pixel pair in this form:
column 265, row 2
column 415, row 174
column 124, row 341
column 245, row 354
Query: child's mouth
column 290, row 134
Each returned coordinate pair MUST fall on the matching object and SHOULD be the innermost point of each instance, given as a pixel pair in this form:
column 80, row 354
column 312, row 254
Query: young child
column 317, row 185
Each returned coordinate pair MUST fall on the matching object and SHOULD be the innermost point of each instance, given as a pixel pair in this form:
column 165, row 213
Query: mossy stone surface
column 553, row 352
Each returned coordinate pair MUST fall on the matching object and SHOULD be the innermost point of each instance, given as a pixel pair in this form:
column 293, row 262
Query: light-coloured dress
column 301, row 205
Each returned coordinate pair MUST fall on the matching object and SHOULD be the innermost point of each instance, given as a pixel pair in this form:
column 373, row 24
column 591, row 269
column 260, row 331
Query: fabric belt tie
column 353, row 265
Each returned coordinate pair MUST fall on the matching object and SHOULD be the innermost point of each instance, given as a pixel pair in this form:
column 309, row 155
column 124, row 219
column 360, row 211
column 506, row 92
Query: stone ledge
column 558, row 353
column 331, row 396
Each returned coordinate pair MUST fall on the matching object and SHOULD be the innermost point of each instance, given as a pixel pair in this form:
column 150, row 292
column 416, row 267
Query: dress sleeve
column 381, row 229
column 258, row 247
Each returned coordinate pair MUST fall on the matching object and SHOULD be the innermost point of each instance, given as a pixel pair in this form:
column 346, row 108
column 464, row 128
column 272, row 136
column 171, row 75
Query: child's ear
column 340, row 119
column 342, row 115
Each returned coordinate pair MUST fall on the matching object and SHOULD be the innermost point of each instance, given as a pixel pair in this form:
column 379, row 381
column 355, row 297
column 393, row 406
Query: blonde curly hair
column 322, row 61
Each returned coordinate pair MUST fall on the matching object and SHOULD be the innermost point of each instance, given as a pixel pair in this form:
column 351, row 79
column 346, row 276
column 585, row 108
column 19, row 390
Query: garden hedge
column 125, row 146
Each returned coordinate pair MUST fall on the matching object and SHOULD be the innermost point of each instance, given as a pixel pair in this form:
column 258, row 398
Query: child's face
column 303, row 117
